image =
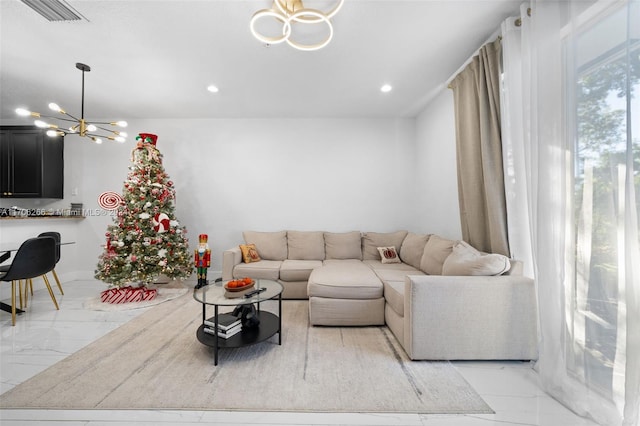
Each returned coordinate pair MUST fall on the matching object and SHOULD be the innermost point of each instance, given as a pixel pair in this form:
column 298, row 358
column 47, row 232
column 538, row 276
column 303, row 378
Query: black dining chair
column 28, row 286
column 34, row 258
column 56, row 236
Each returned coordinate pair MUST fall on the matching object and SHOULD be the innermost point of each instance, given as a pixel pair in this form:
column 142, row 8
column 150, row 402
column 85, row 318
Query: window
column 606, row 160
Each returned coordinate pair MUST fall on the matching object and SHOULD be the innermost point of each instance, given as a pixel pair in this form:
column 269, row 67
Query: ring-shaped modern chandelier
column 290, row 12
column 304, row 14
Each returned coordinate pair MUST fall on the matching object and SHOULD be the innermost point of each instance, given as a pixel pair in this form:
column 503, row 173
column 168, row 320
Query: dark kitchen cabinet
column 31, row 163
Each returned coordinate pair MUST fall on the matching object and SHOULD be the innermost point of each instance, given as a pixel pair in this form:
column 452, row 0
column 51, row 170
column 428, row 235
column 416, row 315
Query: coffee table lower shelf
column 269, row 326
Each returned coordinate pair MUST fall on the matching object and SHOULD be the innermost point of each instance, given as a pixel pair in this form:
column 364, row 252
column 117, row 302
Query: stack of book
column 228, row 325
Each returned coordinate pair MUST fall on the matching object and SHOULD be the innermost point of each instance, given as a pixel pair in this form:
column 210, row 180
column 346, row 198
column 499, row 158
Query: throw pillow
column 389, row 255
column 249, row 253
column 466, row 260
column 372, row 240
column 436, row 251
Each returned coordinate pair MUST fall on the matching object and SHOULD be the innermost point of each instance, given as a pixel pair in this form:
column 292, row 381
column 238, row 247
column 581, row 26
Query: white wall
column 273, row 174
column 263, row 174
column 437, row 209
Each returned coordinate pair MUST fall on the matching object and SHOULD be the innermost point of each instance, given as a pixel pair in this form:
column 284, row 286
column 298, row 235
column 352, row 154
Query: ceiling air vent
column 54, row 10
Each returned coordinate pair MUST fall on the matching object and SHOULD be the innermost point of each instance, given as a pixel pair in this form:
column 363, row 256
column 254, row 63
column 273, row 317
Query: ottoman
column 345, row 293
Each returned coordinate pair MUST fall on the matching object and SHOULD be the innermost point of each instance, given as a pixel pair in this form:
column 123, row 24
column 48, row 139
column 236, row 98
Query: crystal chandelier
column 93, row 130
column 291, row 12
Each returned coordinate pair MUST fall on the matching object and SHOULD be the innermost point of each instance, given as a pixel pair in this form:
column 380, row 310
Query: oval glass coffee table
column 216, row 295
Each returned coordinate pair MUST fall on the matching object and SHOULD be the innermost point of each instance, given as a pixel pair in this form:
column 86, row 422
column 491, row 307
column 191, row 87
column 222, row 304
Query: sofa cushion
column 298, row 270
column 249, row 253
column 305, row 245
column 265, row 269
column 466, row 260
column 270, row 245
column 436, row 251
column 342, row 261
column 394, row 295
column 389, row 255
column 412, row 248
column 348, row 280
column 377, row 265
column 344, row 245
column 395, row 274
column 372, row 240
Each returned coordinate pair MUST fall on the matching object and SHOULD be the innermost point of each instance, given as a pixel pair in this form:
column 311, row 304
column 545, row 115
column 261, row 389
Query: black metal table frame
column 217, row 339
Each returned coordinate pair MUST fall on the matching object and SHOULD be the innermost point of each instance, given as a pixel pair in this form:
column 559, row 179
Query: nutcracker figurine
column 202, row 260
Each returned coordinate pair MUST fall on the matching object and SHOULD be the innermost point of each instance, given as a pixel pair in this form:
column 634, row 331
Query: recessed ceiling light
column 213, row 89
column 386, row 88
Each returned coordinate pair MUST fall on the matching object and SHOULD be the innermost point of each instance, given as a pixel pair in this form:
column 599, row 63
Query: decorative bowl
column 244, row 287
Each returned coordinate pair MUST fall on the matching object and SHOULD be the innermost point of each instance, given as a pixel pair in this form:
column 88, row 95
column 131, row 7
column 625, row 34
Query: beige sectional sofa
column 436, row 296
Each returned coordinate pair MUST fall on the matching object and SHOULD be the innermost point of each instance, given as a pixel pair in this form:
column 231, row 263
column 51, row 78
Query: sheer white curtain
column 572, row 159
column 515, row 104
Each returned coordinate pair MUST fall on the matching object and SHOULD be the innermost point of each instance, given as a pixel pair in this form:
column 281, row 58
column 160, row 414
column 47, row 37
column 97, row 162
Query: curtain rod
column 496, row 34
column 518, row 22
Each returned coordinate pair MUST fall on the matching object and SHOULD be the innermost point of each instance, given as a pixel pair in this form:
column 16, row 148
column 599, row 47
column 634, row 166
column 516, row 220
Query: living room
column 254, row 157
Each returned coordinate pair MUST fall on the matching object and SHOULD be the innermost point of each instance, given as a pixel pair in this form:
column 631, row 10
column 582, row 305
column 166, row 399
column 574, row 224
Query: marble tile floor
column 43, row 336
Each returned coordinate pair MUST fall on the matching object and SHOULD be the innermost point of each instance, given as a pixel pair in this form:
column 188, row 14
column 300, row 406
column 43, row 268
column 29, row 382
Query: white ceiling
column 154, row 59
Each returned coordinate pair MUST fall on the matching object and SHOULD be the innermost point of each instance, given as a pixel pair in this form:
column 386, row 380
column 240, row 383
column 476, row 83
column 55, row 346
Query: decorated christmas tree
column 145, row 240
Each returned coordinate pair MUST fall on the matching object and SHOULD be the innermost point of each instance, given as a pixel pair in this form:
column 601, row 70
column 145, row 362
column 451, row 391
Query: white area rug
column 156, row 362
